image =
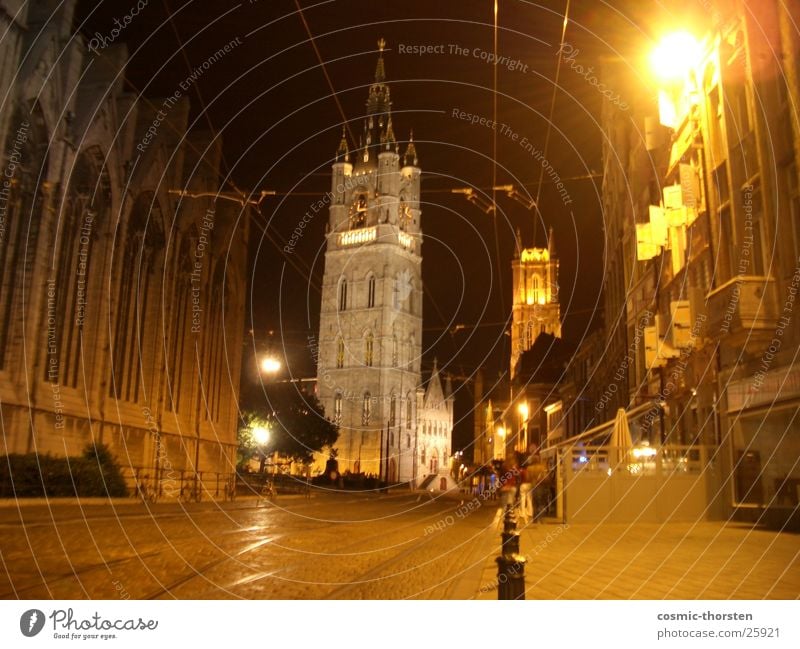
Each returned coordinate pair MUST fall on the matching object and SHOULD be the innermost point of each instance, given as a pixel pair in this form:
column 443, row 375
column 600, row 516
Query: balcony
column 744, row 309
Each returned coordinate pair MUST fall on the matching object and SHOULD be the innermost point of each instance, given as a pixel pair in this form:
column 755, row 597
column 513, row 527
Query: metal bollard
column 510, row 564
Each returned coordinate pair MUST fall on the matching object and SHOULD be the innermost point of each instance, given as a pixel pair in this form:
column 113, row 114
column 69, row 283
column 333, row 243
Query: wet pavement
column 370, row 546
column 350, row 546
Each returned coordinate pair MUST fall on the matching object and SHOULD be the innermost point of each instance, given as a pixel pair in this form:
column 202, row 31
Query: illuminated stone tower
column 536, row 309
column 371, row 314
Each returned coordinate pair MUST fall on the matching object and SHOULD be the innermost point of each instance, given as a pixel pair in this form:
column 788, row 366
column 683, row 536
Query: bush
column 95, row 473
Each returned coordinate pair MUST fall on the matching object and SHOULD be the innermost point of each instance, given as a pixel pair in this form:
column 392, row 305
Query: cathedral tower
column 536, row 309
column 371, row 315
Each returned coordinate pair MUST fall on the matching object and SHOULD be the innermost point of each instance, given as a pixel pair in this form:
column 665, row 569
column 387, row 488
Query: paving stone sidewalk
column 705, row 560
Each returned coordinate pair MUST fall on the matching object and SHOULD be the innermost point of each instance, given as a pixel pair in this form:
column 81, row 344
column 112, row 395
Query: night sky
column 271, row 103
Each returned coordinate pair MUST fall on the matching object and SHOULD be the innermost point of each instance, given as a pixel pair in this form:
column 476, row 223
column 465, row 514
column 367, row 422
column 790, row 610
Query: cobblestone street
column 332, row 546
column 362, row 546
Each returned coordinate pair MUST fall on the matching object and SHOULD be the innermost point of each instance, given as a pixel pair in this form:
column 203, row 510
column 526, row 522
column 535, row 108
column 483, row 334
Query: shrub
column 95, row 473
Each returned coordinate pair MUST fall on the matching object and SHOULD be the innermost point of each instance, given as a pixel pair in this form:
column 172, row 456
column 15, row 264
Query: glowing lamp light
column 270, row 365
column 643, row 451
column 261, row 434
column 523, row 410
column 675, row 56
column 501, row 432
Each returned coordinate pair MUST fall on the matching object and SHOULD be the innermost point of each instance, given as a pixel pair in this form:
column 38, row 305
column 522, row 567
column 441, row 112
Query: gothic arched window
column 135, row 347
column 339, row 353
column 178, row 348
column 366, row 409
column 371, row 292
column 25, row 163
column 343, row 294
column 369, row 350
column 85, row 210
column 337, row 409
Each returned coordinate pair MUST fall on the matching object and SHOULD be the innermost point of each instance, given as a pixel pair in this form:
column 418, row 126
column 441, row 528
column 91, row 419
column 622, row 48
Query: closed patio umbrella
column 620, row 443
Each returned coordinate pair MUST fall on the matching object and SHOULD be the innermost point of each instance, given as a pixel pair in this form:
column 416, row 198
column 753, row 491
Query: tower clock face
column 358, row 212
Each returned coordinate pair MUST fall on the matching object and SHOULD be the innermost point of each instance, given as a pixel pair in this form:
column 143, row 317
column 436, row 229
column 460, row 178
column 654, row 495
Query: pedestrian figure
column 525, row 493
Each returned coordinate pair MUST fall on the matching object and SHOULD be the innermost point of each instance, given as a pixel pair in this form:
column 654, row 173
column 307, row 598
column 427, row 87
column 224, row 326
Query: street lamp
column 261, row 437
column 270, row 365
column 675, row 56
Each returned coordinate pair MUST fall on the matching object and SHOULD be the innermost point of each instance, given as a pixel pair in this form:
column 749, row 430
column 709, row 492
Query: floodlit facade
column 706, row 208
column 122, row 301
column 370, row 341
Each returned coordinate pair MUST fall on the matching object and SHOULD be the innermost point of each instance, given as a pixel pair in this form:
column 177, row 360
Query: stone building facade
column 535, row 302
column 370, row 338
column 704, row 205
column 435, row 424
column 122, row 297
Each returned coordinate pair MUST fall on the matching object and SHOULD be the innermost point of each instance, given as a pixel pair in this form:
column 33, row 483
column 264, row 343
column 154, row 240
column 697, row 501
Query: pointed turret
column 343, row 152
column 380, row 69
column 389, row 138
column 410, row 157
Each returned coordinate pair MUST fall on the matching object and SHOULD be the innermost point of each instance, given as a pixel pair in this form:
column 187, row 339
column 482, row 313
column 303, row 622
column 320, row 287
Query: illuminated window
column 369, row 347
column 340, row 353
column 366, row 409
column 337, row 409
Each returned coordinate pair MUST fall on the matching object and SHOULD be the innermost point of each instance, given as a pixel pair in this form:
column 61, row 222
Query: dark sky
column 270, row 101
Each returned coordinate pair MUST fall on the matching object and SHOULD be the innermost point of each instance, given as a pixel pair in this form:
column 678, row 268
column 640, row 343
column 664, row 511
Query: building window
column 136, row 339
column 84, row 211
column 408, row 410
column 794, row 210
column 393, row 410
column 422, row 457
column 369, row 350
column 371, row 292
column 752, row 205
column 343, row 295
column 366, row 409
column 340, row 353
column 337, row 409
column 394, row 351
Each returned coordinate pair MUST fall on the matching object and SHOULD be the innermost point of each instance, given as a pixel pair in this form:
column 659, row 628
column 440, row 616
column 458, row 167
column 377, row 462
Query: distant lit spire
column 411, row 152
column 380, row 70
column 343, row 152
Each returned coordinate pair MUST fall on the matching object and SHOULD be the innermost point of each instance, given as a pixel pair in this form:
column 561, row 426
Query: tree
column 295, row 420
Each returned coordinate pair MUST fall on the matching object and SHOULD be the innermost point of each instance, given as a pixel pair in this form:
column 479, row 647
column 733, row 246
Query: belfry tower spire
column 370, row 337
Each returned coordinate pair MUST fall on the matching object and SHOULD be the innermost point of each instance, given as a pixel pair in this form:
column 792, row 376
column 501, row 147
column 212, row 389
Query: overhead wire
column 549, row 128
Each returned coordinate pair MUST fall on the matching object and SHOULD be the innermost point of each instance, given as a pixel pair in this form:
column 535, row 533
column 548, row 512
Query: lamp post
column 510, row 564
column 261, row 437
